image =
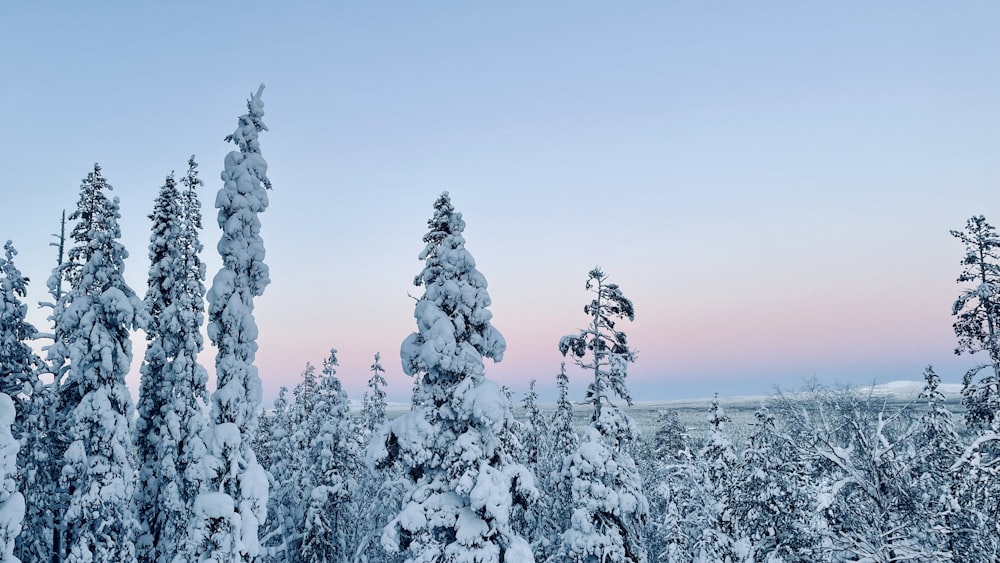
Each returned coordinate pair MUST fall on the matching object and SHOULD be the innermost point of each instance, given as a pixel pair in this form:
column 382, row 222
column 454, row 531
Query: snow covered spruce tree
column 330, row 530
column 719, row 458
column 771, row 498
column 609, row 506
column 381, row 489
column 234, row 501
column 978, row 320
column 534, row 429
column 18, row 361
column 555, row 499
column 17, row 381
column 953, row 522
column 373, row 405
column 276, row 543
column 172, row 389
column 96, row 316
column 464, row 483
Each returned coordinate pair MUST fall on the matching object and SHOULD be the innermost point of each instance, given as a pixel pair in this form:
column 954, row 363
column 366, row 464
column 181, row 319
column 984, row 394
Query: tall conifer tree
column 463, row 480
column 18, row 364
column 172, row 390
column 609, row 506
column 977, row 325
column 97, row 314
column 234, row 504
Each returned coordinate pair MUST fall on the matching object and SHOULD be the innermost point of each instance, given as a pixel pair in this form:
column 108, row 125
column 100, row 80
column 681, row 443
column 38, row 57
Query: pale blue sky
column 771, row 183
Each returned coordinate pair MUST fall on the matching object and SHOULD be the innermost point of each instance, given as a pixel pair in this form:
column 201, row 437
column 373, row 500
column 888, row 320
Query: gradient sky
column 772, row 184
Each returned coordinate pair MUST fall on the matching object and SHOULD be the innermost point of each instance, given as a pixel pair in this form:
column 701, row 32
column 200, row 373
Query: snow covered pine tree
column 463, row 482
column 97, row 314
column 978, row 323
column 233, row 503
column 609, row 507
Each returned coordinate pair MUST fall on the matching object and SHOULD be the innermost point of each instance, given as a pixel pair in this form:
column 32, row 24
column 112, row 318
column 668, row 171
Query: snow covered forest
column 466, row 474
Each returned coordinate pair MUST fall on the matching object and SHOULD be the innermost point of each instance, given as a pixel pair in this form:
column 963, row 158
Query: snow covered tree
column 276, row 543
column 718, row 452
column 330, row 531
column 11, row 500
column 373, row 407
column 602, row 348
column 670, row 442
column 771, row 498
column 978, row 324
column 463, row 481
column 666, row 453
column 43, row 439
column 18, row 381
column 18, row 361
column 381, row 489
column 865, row 496
column 937, row 446
column 719, row 459
column 609, row 506
column 974, row 516
column 172, row 389
column 234, row 503
column 542, row 454
column 533, row 430
column 96, row 316
column 564, row 438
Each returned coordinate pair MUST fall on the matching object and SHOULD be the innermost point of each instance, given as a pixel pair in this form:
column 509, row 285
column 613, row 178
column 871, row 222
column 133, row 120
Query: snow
column 214, row 505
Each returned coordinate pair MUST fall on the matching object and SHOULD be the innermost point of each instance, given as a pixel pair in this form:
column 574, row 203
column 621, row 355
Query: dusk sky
column 772, row 184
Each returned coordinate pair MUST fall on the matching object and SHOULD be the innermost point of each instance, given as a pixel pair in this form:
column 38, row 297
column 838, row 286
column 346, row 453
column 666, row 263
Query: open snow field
column 693, row 413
